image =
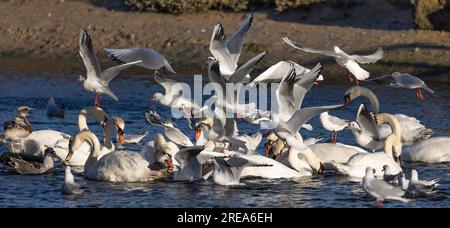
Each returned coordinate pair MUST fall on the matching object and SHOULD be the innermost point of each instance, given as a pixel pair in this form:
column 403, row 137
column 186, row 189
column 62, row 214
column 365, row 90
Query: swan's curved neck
column 95, row 151
column 294, row 160
column 392, row 121
column 107, row 130
column 375, row 103
column 393, row 142
column 82, row 120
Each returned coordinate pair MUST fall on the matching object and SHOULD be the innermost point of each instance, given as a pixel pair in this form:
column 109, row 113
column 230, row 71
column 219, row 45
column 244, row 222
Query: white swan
column 357, row 164
column 300, row 168
column 61, row 146
column 117, row 166
column 338, row 152
column 432, row 150
column 412, row 130
column 37, row 142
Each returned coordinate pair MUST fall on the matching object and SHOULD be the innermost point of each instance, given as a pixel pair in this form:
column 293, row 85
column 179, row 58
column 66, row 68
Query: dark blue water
column 324, row 191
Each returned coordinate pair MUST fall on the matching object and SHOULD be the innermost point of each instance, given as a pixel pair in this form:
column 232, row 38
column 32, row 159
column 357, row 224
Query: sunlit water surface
column 323, row 191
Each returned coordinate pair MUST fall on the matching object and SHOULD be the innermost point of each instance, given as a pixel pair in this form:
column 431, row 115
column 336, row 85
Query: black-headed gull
column 96, row 80
column 228, row 170
column 228, row 51
column 276, row 72
column 151, row 59
column 404, row 80
column 333, row 124
column 381, row 190
column 173, row 133
column 53, row 109
column 350, row 62
column 70, row 186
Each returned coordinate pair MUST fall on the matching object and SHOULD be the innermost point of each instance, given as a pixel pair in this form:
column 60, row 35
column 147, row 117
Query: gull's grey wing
column 275, row 73
column 214, row 76
column 151, row 59
column 177, row 136
column 368, row 122
column 110, row 73
column 218, row 47
column 185, row 155
column 386, row 80
column 87, row 54
column 136, row 138
column 239, row 75
column 304, row 84
column 302, row 116
column 172, row 88
column 310, row 50
column 372, row 58
column 384, row 189
column 153, row 120
column 236, row 41
column 285, row 91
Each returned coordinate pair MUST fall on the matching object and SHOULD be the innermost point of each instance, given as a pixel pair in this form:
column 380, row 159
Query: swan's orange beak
column 169, row 163
column 122, row 139
column 198, row 131
column 347, row 99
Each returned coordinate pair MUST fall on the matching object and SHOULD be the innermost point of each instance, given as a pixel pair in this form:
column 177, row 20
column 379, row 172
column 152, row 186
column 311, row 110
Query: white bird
column 412, row 130
column 356, row 165
column 252, row 141
column 432, row 150
column 366, row 130
column 109, row 125
column 53, row 109
column 403, row 80
column 151, row 59
column 96, row 80
column 390, row 176
column 136, row 138
column 336, row 152
column 70, row 186
column 381, row 190
column 171, row 132
column 117, row 166
column 227, row 171
column 276, row 73
column 351, row 62
column 173, row 97
column 228, row 51
column 333, row 124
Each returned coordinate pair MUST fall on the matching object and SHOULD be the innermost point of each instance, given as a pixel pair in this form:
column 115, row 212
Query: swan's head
column 120, row 124
column 156, row 97
column 24, row 111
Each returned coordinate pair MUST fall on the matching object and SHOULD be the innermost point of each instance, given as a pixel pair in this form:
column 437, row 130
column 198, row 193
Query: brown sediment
column 42, row 36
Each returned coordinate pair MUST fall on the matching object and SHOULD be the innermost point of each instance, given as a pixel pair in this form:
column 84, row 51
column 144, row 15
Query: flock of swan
column 219, row 151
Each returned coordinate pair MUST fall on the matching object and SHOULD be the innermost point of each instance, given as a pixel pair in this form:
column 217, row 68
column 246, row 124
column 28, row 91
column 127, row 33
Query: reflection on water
column 326, row 191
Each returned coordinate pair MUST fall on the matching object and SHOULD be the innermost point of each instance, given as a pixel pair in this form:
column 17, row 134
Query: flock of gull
column 220, row 152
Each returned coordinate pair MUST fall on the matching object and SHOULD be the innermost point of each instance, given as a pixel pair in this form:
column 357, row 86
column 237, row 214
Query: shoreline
column 46, row 40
